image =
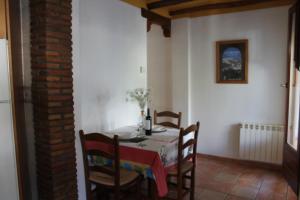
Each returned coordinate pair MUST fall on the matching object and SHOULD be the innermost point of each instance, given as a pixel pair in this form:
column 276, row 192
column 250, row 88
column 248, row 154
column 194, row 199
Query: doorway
column 13, row 117
column 291, row 161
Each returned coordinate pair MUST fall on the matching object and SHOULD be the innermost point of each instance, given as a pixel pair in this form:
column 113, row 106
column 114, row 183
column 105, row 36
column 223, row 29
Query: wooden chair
column 167, row 114
column 105, row 177
column 186, row 163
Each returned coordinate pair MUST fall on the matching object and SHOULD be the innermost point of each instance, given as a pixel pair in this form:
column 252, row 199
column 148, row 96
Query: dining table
column 152, row 156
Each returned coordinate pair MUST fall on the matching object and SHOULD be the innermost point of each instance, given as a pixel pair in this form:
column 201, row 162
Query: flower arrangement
column 140, row 95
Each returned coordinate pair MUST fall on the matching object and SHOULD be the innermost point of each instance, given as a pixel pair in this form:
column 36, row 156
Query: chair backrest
column 167, row 114
column 97, row 144
column 184, row 153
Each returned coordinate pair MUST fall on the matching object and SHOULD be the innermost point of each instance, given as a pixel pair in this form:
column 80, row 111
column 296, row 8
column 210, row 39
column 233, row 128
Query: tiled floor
column 225, row 180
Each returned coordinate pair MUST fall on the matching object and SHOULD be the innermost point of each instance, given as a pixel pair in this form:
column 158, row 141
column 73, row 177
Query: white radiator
column 261, row 142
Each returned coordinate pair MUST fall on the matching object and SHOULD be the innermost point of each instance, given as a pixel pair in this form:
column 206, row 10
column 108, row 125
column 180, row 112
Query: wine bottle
column 148, row 123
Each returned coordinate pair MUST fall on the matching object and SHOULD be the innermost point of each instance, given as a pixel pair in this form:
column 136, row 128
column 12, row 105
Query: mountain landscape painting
column 232, row 61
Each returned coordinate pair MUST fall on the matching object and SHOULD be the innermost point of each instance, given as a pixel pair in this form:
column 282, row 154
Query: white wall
column 221, row 107
column 8, row 163
column 109, row 47
column 158, row 69
column 77, row 98
column 112, row 49
column 180, row 68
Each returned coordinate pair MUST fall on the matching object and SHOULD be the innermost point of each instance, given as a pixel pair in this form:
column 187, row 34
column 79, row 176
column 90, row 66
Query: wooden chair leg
column 116, row 197
column 101, row 194
column 89, row 194
column 179, row 187
column 149, row 187
column 98, row 193
column 116, row 194
column 192, row 193
column 138, row 189
column 184, row 182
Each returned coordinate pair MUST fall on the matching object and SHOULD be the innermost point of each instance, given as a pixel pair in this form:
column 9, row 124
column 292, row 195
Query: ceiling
column 174, row 9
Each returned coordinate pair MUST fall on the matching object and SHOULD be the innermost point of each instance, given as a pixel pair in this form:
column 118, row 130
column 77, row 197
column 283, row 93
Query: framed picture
column 232, row 61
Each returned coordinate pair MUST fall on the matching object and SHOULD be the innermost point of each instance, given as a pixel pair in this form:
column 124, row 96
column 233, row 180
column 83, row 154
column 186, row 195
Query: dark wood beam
column 217, row 6
column 165, row 3
column 154, row 18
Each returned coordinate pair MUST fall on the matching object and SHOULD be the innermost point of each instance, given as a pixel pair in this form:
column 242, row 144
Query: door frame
column 13, row 35
column 291, row 156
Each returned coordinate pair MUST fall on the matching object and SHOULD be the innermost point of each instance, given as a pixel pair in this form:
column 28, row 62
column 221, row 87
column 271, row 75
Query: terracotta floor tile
column 279, row 187
column 211, row 195
column 291, row 195
column 245, row 192
column 213, row 167
column 198, row 190
column 222, row 180
column 246, row 183
column 231, row 197
column 226, row 177
column 216, row 186
column 234, row 168
column 265, row 195
column 206, row 171
column 250, row 180
column 254, row 173
column 273, row 177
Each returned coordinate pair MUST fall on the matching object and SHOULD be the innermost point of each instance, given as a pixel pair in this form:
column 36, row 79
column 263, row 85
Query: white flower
column 139, row 95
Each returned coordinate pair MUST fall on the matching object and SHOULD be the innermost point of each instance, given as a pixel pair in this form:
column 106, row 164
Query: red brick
column 52, row 92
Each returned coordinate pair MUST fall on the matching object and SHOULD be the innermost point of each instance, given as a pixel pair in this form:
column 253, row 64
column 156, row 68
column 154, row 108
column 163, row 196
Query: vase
column 141, row 118
column 141, row 123
column 142, row 113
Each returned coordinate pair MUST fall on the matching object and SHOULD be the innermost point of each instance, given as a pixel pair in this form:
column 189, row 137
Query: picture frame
column 232, row 61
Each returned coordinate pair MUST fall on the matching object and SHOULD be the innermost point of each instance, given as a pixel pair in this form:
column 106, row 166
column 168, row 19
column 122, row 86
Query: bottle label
column 148, row 125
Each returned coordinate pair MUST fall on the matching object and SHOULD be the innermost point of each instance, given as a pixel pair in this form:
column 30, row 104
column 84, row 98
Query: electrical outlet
column 141, row 69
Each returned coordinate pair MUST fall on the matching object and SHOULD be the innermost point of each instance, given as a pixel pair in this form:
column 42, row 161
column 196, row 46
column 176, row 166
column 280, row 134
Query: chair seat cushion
column 107, row 180
column 185, row 167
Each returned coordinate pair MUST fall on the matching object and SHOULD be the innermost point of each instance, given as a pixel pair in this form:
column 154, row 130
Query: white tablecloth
column 165, row 143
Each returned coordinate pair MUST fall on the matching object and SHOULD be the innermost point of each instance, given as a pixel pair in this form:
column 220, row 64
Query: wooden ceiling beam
column 165, row 3
column 216, row 6
column 153, row 18
column 143, row 4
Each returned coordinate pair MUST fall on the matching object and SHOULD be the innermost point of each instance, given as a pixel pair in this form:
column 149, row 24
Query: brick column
column 52, row 94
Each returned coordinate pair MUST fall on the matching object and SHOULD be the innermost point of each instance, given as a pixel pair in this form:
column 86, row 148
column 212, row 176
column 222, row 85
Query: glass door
column 293, row 111
column 291, row 158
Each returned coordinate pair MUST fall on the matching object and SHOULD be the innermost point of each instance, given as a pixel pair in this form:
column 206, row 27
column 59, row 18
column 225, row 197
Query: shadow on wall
column 96, row 116
column 102, row 102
